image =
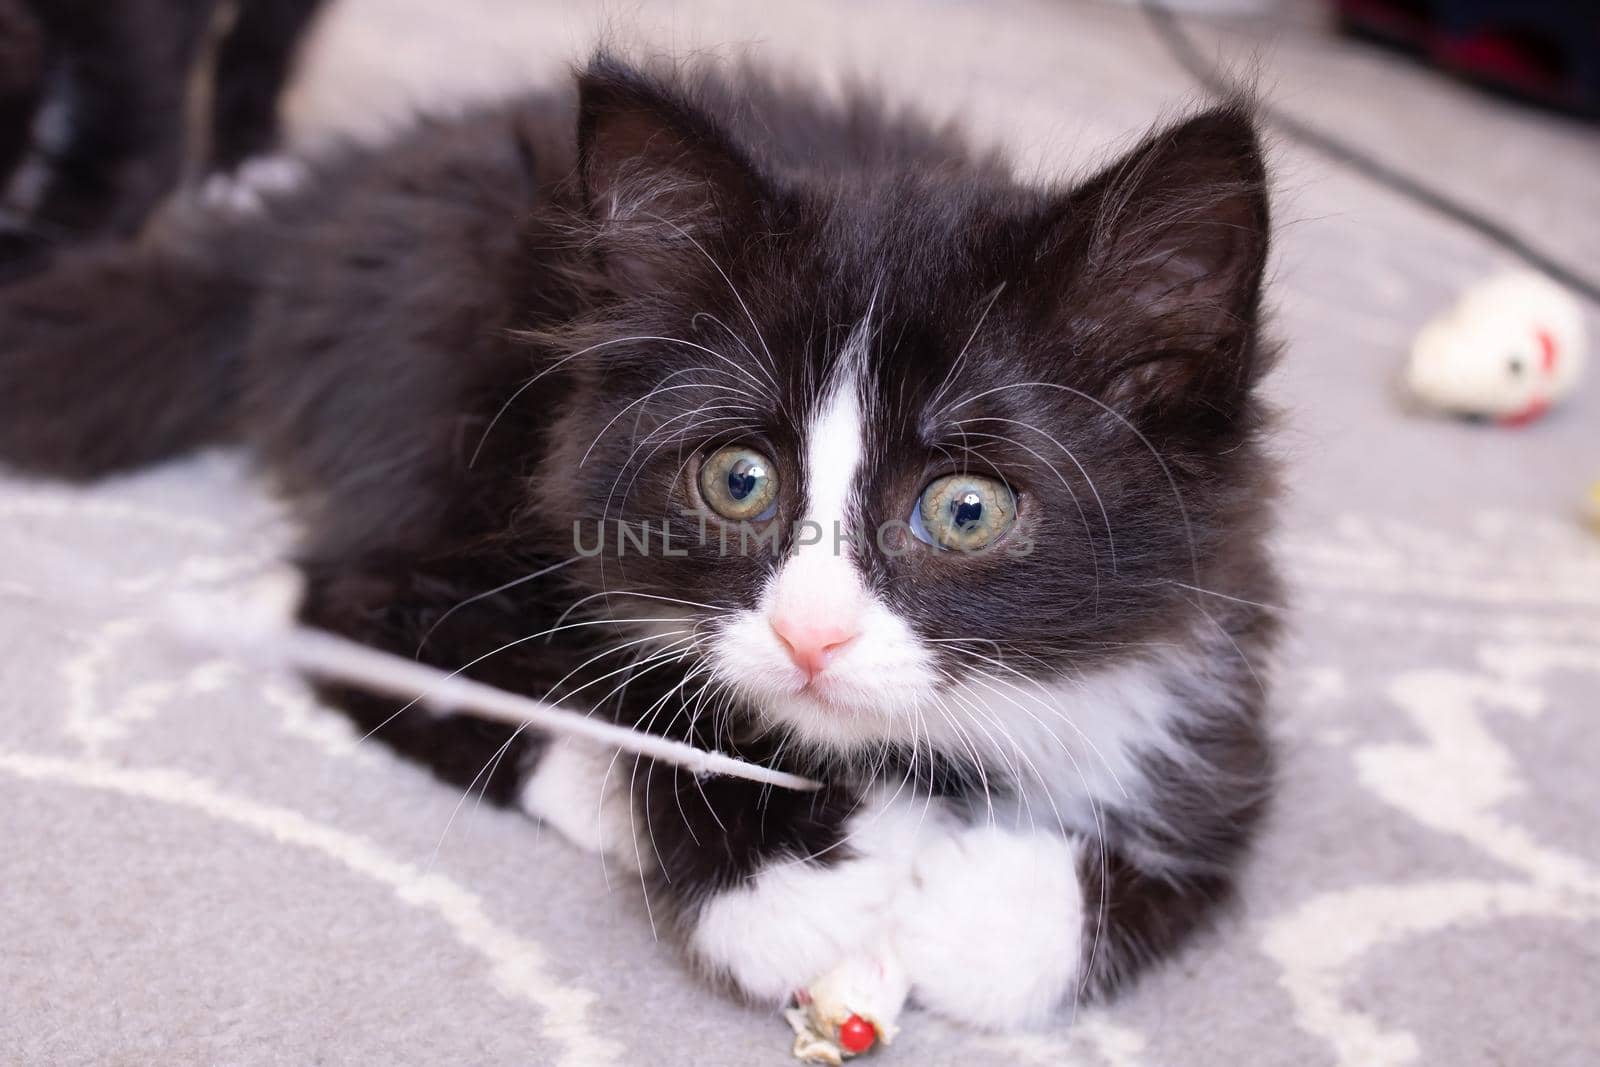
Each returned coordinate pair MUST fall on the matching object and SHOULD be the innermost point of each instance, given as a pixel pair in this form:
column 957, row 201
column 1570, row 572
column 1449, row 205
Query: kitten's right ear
column 1160, row 259
column 657, row 173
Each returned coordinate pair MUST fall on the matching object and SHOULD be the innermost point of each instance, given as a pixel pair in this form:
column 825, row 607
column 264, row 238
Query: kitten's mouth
column 812, row 691
column 825, row 695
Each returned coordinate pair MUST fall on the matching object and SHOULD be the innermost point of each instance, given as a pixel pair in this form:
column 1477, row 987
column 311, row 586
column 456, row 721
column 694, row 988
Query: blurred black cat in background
column 106, row 105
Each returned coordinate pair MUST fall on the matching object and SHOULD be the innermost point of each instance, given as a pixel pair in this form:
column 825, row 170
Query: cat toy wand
column 258, row 632
column 207, row 622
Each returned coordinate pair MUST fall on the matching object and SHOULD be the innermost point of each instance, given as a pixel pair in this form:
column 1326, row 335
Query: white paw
column 990, row 930
column 273, row 175
column 573, row 791
column 796, row 920
column 981, row 925
column 246, row 191
column 793, row 922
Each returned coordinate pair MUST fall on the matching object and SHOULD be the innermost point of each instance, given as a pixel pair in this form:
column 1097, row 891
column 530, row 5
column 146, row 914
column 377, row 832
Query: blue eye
column 963, row 512
column 739, row 483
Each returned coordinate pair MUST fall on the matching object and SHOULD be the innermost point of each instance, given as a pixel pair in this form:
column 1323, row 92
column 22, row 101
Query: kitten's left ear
column 656, row 171
column 1166, row 253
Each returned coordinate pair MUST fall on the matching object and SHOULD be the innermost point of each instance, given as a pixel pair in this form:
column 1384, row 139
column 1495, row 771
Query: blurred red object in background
column 1542, row 50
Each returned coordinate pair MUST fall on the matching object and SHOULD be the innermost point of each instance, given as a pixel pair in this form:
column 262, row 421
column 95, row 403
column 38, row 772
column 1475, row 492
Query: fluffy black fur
column 436, row 346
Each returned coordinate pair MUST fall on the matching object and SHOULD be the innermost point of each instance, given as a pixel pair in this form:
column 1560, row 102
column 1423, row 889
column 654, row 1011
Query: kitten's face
column 926, row 446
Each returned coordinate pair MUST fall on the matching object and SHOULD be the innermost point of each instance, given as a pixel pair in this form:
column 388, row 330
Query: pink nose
column 811, row 643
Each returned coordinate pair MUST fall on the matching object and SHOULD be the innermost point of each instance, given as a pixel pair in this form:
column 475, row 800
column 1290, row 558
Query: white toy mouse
column 1509, row 349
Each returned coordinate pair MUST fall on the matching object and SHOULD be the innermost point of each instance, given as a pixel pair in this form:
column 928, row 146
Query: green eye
column 741, row 484
column 964, row 512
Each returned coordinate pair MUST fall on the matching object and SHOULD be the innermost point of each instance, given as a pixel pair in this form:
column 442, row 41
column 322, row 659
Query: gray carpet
column 200, row 866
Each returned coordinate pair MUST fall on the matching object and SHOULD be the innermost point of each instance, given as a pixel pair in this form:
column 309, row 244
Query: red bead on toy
column 856, row 1035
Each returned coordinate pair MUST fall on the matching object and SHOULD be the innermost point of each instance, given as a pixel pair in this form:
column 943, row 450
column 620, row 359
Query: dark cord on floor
column 1187, row 55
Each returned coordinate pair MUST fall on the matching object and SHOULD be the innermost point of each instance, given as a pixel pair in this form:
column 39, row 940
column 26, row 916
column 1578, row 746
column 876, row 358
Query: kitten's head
column 994, row 432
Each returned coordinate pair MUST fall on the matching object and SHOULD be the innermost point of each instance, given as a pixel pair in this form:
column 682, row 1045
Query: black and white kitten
column 1005, row 440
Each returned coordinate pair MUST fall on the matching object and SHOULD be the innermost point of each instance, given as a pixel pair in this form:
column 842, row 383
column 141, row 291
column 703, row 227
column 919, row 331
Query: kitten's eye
column 740, row 483
column 963, row 511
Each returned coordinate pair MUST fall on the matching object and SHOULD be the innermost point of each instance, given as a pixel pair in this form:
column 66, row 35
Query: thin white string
column 255, row 628
column 323, row 654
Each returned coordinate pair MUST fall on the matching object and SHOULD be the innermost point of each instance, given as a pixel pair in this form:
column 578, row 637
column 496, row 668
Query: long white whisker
column 643, row 596
column 657, row 391
column 1094, row 554
column 525, row 386
column 1048, row 705
column 495, row 651
column 955, row 364
column 734, row 289
column 1104, row 516
column 1172, row 481
column 664, row 653
column 492, row 592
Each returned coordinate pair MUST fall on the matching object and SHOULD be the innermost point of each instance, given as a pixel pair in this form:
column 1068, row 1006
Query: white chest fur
column 1063, row 748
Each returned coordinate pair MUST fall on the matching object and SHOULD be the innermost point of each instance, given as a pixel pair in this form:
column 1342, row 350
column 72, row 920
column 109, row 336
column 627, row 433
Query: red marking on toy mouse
column 1535, row 408
column 1547, row 348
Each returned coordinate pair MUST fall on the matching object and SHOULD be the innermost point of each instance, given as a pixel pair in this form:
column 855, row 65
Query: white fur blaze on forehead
column 820, row 581
column 833, row 455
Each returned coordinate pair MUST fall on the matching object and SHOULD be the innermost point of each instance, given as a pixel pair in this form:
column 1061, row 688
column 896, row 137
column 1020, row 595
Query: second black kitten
column 104, row 104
